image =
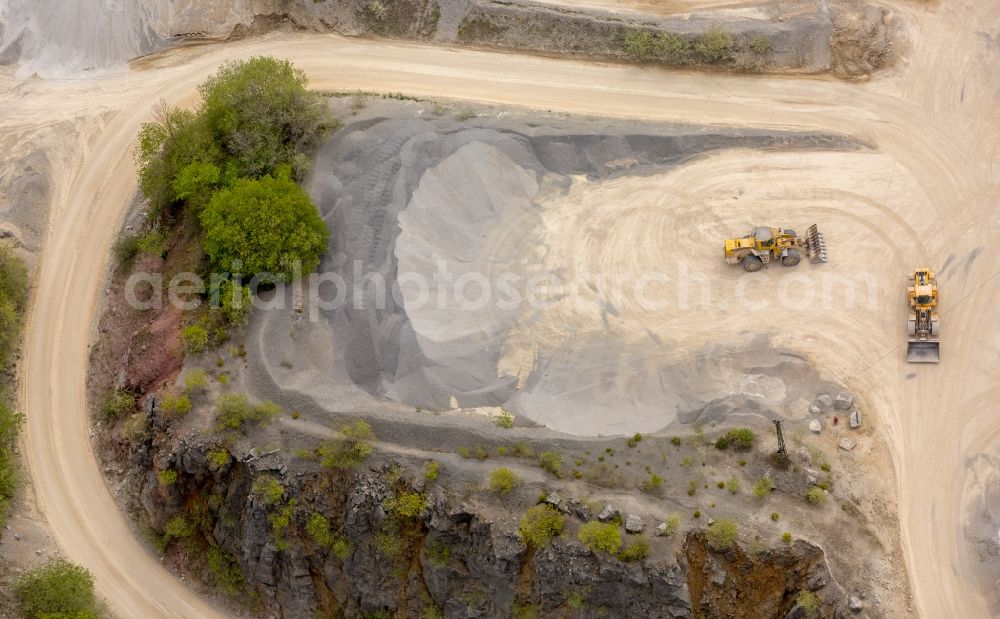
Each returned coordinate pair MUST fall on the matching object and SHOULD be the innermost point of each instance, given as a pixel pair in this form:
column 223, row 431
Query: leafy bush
column 748, row 62
column 57, row 589
column 786, row 537
column 715, row 45
column 504, row 420
column 218, row 457
column 167, row 477
column 261, row 114
column 673, row 523
column 733, row 485
column 235, row 303
column 178, row 528
column 809, row 602
column 270, row 226
column 760, row 44
column 551, row 461
column 763, row 486
column 640, row 44
column 280, row 521
column 10, row 428
column 439, row 553
column 227, row 573
column 136, row 428
column 540, row 524
column 644, row 45
column 233, row 411
column 635, row 440
column 350, row 449
column 153, row 243
column 600, row 536
column 815, row 495
column 118, row 403
column 636, row 550
column 431, row 469
column 738, row 438
column 269, row 489
column 675, row 441
column 174, row 405
column 721, row 534
column 195, row 380
column 406, row 505
column 318, row 528
column 503, row 481
column 341, row 548
column 653, row 484
column 195, row 338
column 125, row 249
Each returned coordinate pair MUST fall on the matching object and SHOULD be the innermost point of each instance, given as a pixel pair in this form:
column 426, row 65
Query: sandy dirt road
column 932, row 123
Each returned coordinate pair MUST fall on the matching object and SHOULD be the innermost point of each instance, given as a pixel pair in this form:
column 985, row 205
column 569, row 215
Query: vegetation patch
column 540, row 524
column 600, row 536
column 737, row 438
column 721, row 534
column 349, row 449
column 57, row 589
column 503, row 481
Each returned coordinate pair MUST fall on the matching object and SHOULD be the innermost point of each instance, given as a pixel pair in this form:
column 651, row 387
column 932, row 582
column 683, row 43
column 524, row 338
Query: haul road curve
column 931, row 121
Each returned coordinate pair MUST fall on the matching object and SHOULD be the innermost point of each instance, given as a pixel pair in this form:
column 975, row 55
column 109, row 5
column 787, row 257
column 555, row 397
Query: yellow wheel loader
column 765, row 244
column 922, row 328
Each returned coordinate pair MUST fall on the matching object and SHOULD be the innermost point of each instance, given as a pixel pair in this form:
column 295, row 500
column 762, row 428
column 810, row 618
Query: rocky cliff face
column 330, row 545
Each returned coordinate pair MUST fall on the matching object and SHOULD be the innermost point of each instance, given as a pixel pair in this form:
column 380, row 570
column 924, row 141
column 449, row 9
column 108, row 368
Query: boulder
column 847, row 444
column 815, row 408
column 557, row 502
column 815, row 426
column 825, row 400
column 634, row 524
column 855, row 420
column 843, row 402
column 581, row 510
column 609, row 513
column 855, row 604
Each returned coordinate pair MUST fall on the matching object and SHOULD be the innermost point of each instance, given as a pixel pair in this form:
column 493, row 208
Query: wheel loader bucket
column 923, row 352
column 815, row 245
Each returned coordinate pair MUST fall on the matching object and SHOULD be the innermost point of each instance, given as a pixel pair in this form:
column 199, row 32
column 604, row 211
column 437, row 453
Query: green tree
column 10, row 427
column 267, row 225
column 13, row 301
column 173, row 140
column 600, row 536
column 57, row 589
column 195, row 183
column 261, row 113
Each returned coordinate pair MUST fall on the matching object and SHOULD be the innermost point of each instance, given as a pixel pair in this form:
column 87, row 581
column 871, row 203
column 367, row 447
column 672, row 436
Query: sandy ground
column 931, row 197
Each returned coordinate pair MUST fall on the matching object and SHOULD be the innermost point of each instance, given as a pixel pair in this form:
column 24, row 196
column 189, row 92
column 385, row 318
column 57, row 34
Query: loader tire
column 752, row 264
column 791, row 258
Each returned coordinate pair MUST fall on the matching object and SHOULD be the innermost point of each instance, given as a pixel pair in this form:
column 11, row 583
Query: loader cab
column 765, row 240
